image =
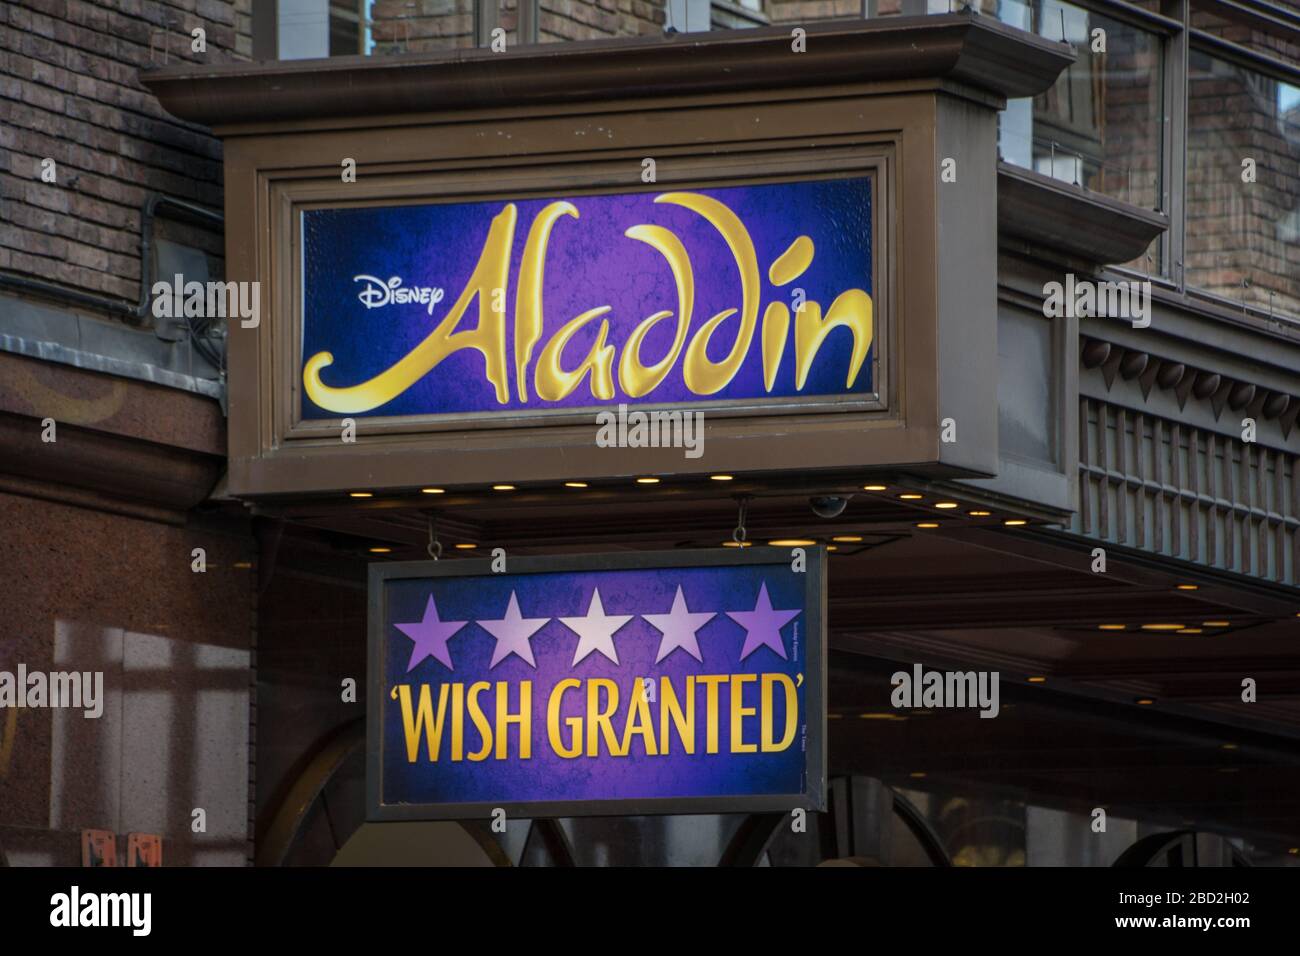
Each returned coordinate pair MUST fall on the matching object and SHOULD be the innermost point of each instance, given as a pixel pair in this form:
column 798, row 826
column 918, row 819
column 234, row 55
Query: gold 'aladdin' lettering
column 552, row 381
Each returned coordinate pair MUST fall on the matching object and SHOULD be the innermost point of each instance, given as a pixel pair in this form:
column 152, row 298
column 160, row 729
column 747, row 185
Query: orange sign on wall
column 98, row 848
column 143, row 849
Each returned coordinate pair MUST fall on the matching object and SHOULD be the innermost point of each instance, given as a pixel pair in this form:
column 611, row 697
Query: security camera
column 828, row 506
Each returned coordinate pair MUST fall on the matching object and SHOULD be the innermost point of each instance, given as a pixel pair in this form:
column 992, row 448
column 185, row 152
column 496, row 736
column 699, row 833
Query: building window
column 1100, row 125
column 349, row 30
column 308, row 29
column 1243, row 237
column 912, row 8
column 739, row 14
column 687, row 16
column 1224, row 22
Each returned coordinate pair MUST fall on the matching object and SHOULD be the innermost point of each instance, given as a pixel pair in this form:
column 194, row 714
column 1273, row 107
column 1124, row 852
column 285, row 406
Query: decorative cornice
column 1221, row 391
column 1062, row 222
column 964, row 48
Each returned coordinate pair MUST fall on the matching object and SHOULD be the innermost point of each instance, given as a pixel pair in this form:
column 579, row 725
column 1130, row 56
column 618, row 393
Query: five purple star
column 595, row 631
column 512, row 633
column 679, row 626
column 430, row 636
column 763, row 625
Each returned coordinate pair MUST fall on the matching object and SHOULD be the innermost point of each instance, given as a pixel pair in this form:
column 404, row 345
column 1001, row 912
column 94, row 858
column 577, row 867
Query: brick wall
column 805, row 11
column 1243, row 239
column 1209, row 16
column 588, row 20
column 69, row 92
column 421, row 25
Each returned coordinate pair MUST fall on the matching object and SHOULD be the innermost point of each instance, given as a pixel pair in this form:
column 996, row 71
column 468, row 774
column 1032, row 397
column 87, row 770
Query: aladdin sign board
column 495, row 283
column 727, row 297
column 601, row 684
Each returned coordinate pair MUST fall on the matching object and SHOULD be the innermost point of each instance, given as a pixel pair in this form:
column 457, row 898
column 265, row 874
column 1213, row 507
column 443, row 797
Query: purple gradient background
column 545, row 776
column 590, row 263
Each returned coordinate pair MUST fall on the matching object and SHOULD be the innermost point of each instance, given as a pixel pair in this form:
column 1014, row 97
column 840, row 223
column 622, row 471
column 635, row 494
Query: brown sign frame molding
column 892, row 98
column 687, row 170
column 816, row 675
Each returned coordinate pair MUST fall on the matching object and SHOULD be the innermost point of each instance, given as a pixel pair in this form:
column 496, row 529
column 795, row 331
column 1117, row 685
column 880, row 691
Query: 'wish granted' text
column 595, row 717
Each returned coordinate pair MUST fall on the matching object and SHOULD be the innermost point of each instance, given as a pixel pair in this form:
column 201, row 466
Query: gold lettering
column 528, row 296
column 711, row 683
column 423, row 721
column 523, row 719
column 787, row 267
column 791, row 712
column 553, row 383
column 739, row 713
column 639, row 722
column 851, row 309
column 792, row 263
column 702, row 375
column 574, row 748
column 637, row 379
column 598, row 721
column 489, row 338
column 480, row 721
column 457, row 722
column 776, row 329
column 669, row 706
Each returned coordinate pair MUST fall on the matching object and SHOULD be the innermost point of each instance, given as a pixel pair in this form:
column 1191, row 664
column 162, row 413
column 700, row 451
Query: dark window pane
column 1243, row 238
column 345, row 28
column 1100, row 125
column 1228, row 24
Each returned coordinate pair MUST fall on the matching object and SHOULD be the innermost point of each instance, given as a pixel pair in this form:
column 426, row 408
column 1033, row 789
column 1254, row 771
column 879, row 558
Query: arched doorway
column 321, row 821
column 1182, row 848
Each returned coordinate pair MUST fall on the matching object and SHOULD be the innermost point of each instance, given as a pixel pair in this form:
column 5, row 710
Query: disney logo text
column 377, row 292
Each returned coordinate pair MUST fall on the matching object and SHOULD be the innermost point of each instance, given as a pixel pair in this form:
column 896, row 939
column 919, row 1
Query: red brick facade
column 68, row 82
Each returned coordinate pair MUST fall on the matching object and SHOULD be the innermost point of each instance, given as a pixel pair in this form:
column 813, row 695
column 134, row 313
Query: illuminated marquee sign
column 647, row 683
column 724, row 296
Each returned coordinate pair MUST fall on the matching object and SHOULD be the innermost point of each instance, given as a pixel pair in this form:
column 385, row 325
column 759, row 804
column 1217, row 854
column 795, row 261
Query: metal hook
column 739, row 534
column 156, row 32
column 434, row 546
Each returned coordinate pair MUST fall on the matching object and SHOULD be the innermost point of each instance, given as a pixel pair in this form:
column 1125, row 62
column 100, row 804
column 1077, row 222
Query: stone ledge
column 964, row 48
column 1060, row 221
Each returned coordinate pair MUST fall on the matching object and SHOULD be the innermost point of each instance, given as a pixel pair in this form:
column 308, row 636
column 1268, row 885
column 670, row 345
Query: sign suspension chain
column 434, row 546
column 738, row 535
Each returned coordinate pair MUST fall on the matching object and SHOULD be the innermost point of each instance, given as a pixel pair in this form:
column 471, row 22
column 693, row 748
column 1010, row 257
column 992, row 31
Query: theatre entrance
column 1101, row 706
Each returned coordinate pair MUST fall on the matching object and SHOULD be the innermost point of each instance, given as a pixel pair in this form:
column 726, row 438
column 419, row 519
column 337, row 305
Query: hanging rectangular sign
column 740, row 295
column 597, row 684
